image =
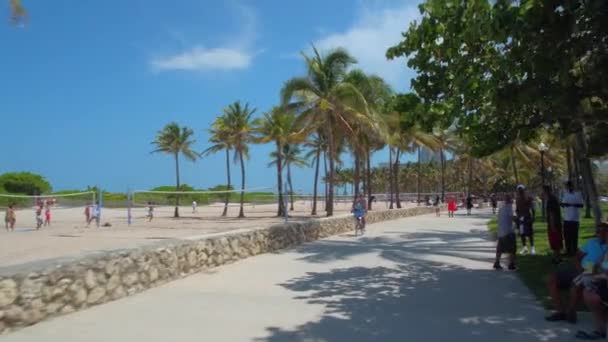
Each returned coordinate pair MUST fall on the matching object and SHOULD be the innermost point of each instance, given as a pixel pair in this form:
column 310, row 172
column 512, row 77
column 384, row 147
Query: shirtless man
column 524, row 210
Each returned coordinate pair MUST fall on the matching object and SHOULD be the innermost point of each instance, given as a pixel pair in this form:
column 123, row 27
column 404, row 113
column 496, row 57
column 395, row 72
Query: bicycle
column 359, row 227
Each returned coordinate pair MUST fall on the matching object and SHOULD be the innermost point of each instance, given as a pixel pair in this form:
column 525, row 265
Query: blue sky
column 85, row 85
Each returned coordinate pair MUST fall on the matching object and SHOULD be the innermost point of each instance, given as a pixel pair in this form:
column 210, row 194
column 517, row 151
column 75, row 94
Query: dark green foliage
column 25, row 183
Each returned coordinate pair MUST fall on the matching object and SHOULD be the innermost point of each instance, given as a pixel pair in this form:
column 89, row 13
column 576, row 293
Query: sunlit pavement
column 415, row 279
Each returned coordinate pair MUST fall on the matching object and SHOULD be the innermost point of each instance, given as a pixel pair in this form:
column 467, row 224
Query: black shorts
column 565, row 274
column 527, row 226
column 570, row 225
column 507, row 244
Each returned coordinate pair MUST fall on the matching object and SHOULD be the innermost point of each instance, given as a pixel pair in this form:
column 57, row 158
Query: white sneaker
column 532, row 251
column 524, row 250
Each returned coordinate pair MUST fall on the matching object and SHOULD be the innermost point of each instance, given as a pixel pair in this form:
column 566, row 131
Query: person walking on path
column 507, row 241
column 437, row 204
column 524, row 210
column 572, row 202
column 194, row 204
column 10, row 217
column 554, row 223
column 451, row 207
column 494, row 203
column 469, row 205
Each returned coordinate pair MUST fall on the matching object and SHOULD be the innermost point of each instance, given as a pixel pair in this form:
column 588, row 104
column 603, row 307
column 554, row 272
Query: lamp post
column 542, row 148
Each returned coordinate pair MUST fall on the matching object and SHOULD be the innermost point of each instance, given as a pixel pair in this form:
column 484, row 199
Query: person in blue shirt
column 359, row 209
column 587, row 257
column 595, row 296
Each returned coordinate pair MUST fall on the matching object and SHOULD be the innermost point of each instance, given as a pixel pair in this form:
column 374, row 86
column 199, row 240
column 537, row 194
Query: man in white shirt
column 506, row 234
column 194, row 207
column 572, row 202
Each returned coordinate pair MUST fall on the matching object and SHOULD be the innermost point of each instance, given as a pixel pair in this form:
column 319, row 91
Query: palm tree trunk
column 397, row 180
column 332, row 170
column 514, row 164
column 227, row 199
column 587, row 173
column 390, row 175
column 314, row 190
column 368, row 171
column 241, row 210
column 326, row 177
column 281, row 205
column 356, row 177
column 470, row 181
column 442, row 160
column 176, row 213
column 569, row 162
column 418, row 177
column 290, row 186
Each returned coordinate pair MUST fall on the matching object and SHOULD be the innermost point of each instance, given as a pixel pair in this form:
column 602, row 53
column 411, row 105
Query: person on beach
column 87, row 213
column 554, row 223
column 451, row 207
column 507, row 241
column 10, row 217
column 150, row 212
column 524, row 210
column 93, row 214
column 194, row 204
column 572, row 202
column 47, row 216
column 39, row 216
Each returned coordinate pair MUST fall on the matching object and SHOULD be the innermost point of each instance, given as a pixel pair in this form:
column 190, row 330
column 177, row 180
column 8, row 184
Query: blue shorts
column 358, row 214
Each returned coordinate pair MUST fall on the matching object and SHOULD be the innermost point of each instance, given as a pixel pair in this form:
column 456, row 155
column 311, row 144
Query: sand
column 69, row 236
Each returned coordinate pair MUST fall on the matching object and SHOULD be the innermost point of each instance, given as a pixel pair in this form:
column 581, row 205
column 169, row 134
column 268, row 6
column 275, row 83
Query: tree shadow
column 394, row 304
column 432, row 285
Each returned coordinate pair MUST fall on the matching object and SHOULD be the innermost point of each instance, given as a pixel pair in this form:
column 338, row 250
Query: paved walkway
column 415, row 279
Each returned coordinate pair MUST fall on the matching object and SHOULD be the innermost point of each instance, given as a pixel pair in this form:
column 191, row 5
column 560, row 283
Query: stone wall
column 30, row 297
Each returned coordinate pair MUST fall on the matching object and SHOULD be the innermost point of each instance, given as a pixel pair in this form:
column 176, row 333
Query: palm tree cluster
column 335, row 110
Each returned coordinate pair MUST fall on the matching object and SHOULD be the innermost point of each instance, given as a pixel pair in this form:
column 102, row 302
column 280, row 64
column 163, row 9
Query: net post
column 129, row 207
column 99, row 202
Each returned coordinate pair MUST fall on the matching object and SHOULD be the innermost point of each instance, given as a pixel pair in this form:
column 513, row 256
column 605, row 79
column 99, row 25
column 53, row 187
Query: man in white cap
column 572, row 202
column 524, row 210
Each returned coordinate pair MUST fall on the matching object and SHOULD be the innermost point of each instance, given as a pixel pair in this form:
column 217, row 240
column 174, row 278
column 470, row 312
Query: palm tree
column 377, row 94
column 174, row 140
column 240, row 132
column 325, row 101
column 280, row 127
column 291, row 154
column 221, row 142
column 18, row 13
column 317, row 145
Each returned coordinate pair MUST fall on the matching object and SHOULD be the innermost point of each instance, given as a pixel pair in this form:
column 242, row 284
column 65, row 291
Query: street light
column 542, row 148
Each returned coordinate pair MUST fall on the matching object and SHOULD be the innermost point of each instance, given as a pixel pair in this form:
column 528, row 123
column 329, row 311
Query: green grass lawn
column 534, row 269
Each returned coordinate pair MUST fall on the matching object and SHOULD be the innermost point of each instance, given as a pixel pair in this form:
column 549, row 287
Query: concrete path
column 415, row 279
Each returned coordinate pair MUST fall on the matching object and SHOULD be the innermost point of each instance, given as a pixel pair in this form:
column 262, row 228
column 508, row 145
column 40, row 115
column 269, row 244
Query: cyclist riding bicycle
column 359, row 210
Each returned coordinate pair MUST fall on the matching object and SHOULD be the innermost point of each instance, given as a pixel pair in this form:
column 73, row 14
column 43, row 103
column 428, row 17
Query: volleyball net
column 60, row 209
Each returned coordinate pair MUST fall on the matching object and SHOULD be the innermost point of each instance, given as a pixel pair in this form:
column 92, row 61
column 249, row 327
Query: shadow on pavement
column 422, row 293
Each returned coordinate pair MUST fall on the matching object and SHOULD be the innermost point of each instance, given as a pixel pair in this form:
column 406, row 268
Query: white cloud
column 234, row 54
column 368, row 38
column 199, row 58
